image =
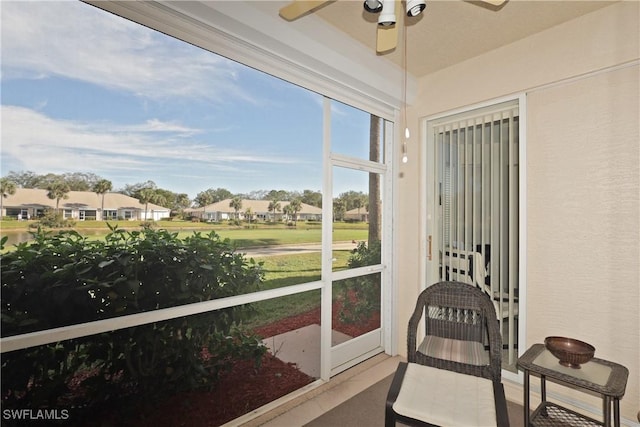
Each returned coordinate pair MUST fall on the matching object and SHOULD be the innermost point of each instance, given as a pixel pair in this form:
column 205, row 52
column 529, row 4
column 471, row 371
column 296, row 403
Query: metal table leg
column 526, row 398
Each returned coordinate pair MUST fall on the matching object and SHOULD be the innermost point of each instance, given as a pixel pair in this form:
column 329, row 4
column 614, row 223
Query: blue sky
column 87, row 91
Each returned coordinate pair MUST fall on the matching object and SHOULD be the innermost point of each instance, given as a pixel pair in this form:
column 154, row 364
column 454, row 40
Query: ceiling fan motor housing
column 415, row 7
column 373, row 6
column 387, row 16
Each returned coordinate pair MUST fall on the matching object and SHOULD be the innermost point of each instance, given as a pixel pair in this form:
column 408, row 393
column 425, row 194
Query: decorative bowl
column 571, row 352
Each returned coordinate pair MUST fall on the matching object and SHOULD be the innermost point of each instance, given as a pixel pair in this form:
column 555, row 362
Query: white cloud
column 42, row 144
column 78, row 41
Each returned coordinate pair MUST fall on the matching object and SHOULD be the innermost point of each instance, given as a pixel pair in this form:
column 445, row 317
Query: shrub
column 53, row 219
column 64, row 279
column 360, row 296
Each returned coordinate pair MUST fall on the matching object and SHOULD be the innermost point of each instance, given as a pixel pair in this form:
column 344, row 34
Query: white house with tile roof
column 28, row 203
column 254, row 209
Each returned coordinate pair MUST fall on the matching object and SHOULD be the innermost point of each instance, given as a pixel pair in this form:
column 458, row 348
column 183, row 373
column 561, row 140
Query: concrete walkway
column 295, row 249
column 302, row 347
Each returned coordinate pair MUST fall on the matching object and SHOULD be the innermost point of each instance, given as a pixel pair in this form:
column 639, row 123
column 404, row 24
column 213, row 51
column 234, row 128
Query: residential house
column 253, row 210
column 357, row 214
column 30, row 203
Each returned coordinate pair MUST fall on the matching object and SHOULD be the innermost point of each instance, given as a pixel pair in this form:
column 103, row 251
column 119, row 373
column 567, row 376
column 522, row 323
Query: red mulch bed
column 239, row 391
column 244, row 388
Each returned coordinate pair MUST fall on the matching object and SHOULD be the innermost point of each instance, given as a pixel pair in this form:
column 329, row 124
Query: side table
column 606, row 378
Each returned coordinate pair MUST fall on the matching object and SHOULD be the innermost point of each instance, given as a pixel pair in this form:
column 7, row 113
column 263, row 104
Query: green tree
column 313, row 198
column 274, row 206
column 220, row 194
column 236, row 205
column 287, row 211
column 352, row 198
column 101, row 188
column 132, row 190
column 212, row 195
column 8, row 188
column 276, row 195
column 146, row 196
column 25, row 179
column 339, row 208
column 204, row 198
column 58, row 190
column 77, row 181
column 182, row 202
column 295, row 206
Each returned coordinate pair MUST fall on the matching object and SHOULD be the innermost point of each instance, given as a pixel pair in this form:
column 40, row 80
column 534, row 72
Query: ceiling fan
column 387, row 34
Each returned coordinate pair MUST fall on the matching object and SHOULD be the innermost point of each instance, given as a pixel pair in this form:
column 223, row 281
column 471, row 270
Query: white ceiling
column 451, row 31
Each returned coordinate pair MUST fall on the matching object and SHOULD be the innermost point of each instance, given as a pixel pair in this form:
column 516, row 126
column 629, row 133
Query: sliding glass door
column 473, row 199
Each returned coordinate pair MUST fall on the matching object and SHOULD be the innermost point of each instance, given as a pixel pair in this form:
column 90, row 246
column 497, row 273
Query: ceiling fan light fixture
column 415, row 7
column 373, row 6
column 387, row 16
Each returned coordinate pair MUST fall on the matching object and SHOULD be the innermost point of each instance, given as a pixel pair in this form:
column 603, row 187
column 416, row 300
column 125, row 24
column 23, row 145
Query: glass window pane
column 356, row 218
column 290, row 328
column 356, row 133
column 356, row 306
column 187, row 141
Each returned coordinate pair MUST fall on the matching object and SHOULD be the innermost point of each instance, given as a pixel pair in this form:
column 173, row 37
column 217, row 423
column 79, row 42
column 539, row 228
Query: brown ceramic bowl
column 572, row 353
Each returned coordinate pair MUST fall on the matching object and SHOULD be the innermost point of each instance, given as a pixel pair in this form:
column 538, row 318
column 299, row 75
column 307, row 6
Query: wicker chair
column 453, row 376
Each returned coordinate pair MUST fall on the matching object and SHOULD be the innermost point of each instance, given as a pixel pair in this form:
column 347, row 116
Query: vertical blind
column 478, row 204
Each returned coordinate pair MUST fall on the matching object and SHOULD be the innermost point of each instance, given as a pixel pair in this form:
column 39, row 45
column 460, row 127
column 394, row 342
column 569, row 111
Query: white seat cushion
column 446, row 398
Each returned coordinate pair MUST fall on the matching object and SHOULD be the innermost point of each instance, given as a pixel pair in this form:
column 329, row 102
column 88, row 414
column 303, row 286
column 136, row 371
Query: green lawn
column 242, row 237
column 287, row 270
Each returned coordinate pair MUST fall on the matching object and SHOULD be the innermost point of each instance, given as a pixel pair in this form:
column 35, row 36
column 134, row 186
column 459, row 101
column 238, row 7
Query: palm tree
column 8, row 188
column 58, row 190
column 295, row 206
column 236, row 205
column 145, row 196
column 274, row 206
column 101, row 188
column 287, row 211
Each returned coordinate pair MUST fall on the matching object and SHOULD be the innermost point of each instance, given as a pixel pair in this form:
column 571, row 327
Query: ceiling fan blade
column 297, row 8
column 493, row 2
column 387, row 36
